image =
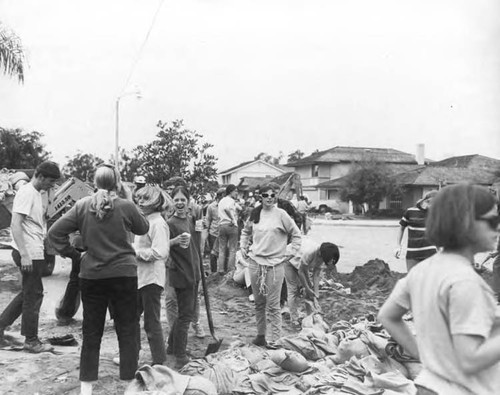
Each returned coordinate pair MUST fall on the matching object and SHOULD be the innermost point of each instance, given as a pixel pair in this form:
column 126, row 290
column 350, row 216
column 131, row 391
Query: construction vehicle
column 57, row 203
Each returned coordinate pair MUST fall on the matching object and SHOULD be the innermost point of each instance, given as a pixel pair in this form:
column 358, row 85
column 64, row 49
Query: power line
column 141, row 49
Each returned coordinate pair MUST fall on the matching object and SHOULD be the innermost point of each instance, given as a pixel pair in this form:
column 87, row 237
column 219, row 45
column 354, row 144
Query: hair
column 175, row 181
column 230, row 188
column 182, row 190
column 329, row 251
column 270, row 186
column 48, row 169
column 450, row 222
column 107, row 181
column 153, row 196
column 221, row 192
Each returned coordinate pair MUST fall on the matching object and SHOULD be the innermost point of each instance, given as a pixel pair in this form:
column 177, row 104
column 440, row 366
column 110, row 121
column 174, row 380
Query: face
column 180, row 204
column 268, row 198
column 426, row 204
column 47, row 183
column 169, row 189
column 486, row 230
column 141, row 200
column 234, row 194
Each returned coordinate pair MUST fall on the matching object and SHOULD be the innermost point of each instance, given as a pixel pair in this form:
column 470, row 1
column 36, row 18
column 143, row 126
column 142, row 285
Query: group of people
column 132, row 248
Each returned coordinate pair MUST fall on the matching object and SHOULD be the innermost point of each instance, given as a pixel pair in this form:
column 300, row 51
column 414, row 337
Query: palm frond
column 11, row 54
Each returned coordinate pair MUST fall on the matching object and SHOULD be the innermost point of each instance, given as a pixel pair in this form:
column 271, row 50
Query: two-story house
column 254, row 168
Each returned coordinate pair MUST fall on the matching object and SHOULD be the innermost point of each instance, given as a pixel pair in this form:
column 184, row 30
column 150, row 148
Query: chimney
column 420, row 156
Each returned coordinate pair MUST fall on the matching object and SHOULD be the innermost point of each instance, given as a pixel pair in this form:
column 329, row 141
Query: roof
column 250, row 162
column 392, row 169
column 353, row 154
column 474, row 161
column 440, row 175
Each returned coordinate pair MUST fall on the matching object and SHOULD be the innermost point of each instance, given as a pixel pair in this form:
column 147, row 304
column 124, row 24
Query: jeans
column 121, row 294
column 149, row 302
column 228, row 238
column 68, row 306
column 177, row 338
column 172, row 308
column 267, row 304
column 28, row 301
column 293, row 287
column 214, row 251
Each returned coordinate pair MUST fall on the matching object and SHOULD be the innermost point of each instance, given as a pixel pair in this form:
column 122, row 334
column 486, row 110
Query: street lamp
column 138, row 95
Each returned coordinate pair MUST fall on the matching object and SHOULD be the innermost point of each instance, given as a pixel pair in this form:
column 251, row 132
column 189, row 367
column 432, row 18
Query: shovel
column 214, row 346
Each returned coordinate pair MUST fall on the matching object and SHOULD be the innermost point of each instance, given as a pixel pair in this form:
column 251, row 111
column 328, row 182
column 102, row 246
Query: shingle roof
column 436, row 175
column 353, row 154
column 470, row 161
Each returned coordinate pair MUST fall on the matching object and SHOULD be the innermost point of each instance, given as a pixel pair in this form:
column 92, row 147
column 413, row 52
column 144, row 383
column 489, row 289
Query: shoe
column 116, row 361
column 198, row 331
column 36, row 347
column 260, row 340
column 181, row 361
column 251, row 298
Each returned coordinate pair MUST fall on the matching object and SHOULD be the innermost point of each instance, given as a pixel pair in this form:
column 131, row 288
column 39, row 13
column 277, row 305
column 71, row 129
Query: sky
column 259, row 75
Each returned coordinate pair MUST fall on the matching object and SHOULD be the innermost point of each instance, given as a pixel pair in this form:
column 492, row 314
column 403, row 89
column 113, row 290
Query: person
column 228, row 230
column 264, row 242
column 184, row 273
column 454, row 309
column 212, row 220
column 108, row 270
column 28, row 232
column 242, row 274
column 139, row 182
column 414, row 219
column 152, row 250
column 309, row 261
column 195, row 213
column 302, row 207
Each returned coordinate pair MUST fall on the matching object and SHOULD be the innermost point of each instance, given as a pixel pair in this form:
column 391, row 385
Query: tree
column 269, row 158
column 20, row 150
column 82, row 166
column 129, row 165
column 368, row 182
column 177, row 151
column 295, row 156
column 11, row 53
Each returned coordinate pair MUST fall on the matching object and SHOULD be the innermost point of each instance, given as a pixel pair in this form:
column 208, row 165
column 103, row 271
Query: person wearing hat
column 306, row 264
column 212, row 221
column 414, row 218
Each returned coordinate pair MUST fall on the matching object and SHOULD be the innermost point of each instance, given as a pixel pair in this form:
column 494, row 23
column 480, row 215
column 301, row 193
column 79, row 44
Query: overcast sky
column 260, row 75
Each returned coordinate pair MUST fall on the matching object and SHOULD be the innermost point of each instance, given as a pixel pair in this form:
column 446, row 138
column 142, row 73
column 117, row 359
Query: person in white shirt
column 228, row 230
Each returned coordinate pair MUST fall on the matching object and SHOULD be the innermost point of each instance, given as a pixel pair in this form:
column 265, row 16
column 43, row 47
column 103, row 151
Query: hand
column 310, row 294
column 397, row 252
column 26, row 263
column 244, row 253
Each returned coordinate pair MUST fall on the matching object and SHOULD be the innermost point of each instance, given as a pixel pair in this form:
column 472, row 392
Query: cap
column 139, row 180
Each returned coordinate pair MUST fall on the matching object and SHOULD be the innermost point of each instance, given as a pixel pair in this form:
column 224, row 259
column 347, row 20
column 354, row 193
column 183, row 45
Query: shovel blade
column 213, row 347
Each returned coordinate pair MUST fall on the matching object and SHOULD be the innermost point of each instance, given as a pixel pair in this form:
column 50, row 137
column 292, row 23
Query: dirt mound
column 373, row 275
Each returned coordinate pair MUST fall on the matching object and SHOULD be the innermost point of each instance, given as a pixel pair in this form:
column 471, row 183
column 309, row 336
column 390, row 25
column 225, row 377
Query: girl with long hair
column 108, row 270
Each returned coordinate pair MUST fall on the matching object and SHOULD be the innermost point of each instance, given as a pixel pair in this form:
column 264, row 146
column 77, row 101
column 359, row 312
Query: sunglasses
column 266, row 195
column 492, row 222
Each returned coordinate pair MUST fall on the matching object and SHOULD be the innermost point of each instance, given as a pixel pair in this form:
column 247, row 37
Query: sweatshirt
column 270, row 237
column 107, row 242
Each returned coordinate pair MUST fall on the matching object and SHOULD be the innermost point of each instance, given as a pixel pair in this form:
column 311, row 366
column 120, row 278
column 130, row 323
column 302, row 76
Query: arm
column 59, row 232
column 139, row 225
column 475, row 353
column 159, row 234
column 246, row 235
column 18, row 236
column 399, row 239
column 391, row 317
column 303, row 273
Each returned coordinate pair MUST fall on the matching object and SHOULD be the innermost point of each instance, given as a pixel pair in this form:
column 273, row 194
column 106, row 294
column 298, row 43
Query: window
column 315, row 171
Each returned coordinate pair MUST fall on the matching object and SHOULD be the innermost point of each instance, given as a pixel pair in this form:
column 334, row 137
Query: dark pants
column 68, row 306
column 186, row 302
column 214, row 252
column 149, row 302
column 121, row 293
column 28, row 301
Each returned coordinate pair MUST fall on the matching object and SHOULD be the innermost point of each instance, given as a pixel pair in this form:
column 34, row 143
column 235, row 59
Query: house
column 254, row 168
column 317, row 170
